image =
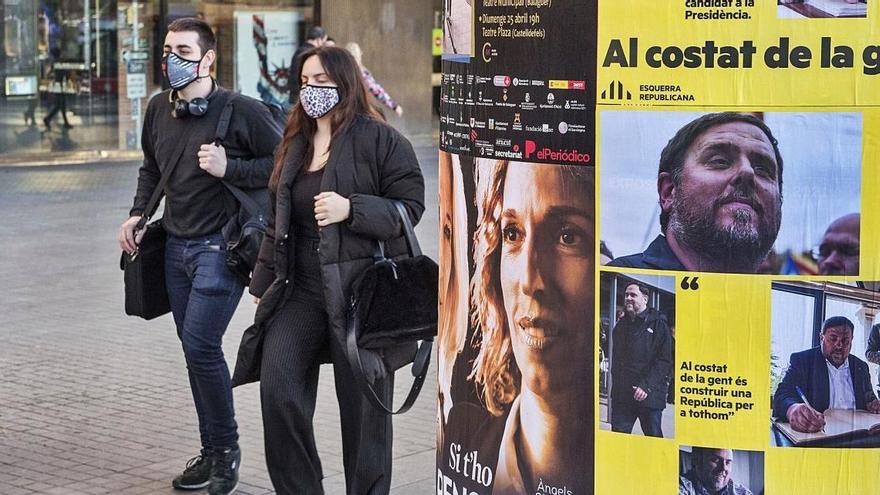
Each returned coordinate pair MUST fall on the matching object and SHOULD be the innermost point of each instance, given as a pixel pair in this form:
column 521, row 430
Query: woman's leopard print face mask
column 317, row 101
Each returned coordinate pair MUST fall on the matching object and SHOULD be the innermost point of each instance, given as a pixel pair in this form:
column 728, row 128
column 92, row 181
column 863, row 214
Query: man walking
column 641, row 362
column 178, row 134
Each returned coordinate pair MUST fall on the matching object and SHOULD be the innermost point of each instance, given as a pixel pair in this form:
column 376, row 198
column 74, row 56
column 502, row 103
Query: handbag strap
column 153, row 203
column 244, row 200
column 412, row 242
column 419, row 371
column 225, row 119
column 408, row 232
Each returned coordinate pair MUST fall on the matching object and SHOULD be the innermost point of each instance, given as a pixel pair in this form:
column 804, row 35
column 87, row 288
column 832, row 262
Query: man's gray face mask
column 180, row 72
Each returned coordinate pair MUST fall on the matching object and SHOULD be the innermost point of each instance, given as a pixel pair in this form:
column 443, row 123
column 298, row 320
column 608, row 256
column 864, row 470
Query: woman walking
column 372, row 84
column 337, row 172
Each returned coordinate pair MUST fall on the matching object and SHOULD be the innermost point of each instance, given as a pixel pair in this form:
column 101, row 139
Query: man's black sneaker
column 197, row 473
column 224, row 472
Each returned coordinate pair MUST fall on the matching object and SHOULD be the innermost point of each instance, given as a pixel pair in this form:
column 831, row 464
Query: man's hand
column 212, row 159
column 804, row 418
column 639, row 395
column 127, row 237
column 873, row 406
column 331, row 208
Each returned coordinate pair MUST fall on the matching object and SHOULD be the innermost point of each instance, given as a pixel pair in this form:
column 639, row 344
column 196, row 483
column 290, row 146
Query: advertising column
column 737, row 174
column 517, row 248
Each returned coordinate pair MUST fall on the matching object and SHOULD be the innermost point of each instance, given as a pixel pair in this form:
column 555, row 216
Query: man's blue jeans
column 203, row 295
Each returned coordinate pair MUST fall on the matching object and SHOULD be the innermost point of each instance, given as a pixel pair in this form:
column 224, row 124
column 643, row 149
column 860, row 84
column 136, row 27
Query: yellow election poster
column 659, row 247
column 738, row 202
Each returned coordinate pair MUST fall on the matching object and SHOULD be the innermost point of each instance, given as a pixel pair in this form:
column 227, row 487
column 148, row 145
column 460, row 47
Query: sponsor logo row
column 528, row 150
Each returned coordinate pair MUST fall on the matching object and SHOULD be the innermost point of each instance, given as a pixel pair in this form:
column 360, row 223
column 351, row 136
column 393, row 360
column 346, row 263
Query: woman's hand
column 331, row 208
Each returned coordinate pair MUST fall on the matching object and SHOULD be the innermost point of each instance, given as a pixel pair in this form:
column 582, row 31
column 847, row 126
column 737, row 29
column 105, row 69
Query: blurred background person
column 316, row 37
column 372, row 84
column 838, row 252
column 58, row 87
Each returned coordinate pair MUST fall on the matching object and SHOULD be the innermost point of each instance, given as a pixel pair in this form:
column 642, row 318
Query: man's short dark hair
column 642, row 288
column 316, row 33
column 207, row 41
column 699, row 452
column 673, row 155
column 838, row 321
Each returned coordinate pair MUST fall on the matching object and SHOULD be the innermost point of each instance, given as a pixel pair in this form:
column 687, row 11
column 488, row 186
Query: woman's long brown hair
column 353, row 102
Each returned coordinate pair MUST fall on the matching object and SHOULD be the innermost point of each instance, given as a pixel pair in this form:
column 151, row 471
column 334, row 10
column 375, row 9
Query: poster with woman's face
column 515, row 355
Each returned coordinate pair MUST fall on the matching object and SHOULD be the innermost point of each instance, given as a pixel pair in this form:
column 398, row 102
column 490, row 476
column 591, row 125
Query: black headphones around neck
column 197, row 107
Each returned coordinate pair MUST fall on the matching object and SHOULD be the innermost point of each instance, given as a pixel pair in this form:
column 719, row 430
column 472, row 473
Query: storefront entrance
column 77, row 75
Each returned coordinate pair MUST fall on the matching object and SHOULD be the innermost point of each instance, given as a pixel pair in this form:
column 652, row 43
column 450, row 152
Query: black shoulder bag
column 394, row 303
column 245, row 231
column 144, row 269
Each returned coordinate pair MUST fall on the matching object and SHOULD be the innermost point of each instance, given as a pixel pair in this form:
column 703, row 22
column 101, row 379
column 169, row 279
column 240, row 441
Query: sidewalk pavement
column 93, row 401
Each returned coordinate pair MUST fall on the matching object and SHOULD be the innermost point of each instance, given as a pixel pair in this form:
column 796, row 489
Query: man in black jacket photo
column 178, row 140
column 641, row 363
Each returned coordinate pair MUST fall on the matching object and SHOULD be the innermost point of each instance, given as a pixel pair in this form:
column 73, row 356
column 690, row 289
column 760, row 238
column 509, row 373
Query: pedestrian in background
column 316, row 37
column 337, row 172
column 372, row 84
column 58, row 78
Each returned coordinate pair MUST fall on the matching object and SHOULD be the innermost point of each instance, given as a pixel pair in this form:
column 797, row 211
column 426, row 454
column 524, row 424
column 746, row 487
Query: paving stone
column 93, row 401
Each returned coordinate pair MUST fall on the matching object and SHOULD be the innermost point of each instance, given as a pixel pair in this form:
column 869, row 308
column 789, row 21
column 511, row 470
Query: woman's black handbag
column 393, row 305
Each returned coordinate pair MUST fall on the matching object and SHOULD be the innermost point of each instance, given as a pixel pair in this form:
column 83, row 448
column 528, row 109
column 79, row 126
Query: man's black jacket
column 658, row 256
column 641, row 356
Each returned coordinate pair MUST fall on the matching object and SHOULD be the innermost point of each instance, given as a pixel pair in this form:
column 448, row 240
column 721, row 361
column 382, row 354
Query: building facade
column 76, row 76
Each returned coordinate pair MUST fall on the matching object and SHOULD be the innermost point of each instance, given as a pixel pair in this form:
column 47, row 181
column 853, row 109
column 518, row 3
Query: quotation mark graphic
column 692, row 285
